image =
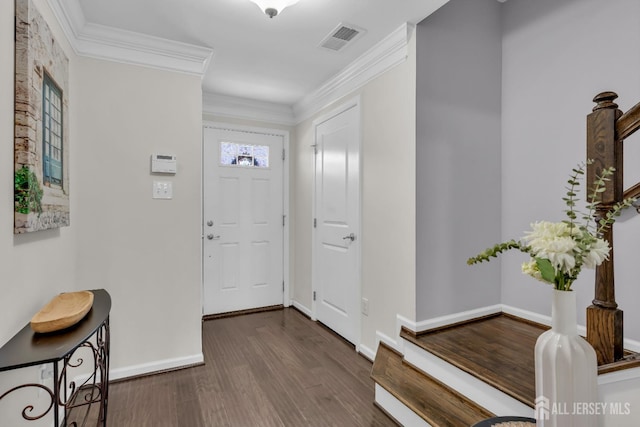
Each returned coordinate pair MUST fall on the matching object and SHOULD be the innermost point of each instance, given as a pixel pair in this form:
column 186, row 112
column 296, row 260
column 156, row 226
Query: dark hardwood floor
column 275, row 368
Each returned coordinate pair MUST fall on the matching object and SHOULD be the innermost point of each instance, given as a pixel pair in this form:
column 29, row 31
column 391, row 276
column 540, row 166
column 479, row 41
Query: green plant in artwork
column 27, row 191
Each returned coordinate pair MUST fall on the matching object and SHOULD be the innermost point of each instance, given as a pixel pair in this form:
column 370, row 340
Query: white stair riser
column 397, row 409
column 471, row 387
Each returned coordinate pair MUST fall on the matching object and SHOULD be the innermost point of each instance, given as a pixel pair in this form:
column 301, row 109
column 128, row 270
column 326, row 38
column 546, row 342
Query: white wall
column 458, row 156
column 34, row 267
column 557, row 55
column 144, row 252
column 388, row 200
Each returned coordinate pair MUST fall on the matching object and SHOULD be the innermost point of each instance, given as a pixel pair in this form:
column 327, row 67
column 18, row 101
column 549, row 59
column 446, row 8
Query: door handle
column 212, row 237
column 351, row 236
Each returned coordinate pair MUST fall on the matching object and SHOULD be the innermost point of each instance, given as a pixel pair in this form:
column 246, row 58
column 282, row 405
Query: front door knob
column 351, row 236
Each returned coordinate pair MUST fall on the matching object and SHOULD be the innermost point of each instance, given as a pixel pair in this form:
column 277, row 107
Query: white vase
column 566, row 370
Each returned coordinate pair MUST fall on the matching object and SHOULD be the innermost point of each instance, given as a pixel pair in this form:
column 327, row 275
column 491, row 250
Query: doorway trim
column 354, row 102
column 286, row 295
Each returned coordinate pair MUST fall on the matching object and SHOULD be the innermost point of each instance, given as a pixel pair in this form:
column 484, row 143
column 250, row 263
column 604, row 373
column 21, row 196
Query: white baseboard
column 531, row 316
column 632, row 345
column 302, row 308
column 401, row 413
column 380, row 337
column 156, row 366
column 394, row 344
column 367, row 352
column 407, row 323
column 438, row 322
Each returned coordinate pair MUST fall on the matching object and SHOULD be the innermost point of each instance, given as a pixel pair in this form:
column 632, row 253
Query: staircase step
column 497, row 349
column 433, row 401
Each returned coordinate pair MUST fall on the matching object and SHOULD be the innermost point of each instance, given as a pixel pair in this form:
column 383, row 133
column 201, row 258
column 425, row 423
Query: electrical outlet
column 365, row 306
column 45, row 377
column 46, row 372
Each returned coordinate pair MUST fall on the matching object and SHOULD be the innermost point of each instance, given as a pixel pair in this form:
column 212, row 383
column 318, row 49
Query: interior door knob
column 351, row 236
column 212, row 237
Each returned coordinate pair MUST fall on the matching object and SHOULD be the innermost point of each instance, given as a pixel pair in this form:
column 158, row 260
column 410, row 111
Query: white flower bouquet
column 559, row 250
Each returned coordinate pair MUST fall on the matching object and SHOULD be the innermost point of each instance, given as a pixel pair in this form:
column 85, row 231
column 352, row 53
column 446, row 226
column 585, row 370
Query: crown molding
column 247, row 109
column 108, row 43
column 388, row 53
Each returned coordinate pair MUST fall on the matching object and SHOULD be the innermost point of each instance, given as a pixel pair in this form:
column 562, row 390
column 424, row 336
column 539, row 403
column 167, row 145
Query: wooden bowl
column 63, row 311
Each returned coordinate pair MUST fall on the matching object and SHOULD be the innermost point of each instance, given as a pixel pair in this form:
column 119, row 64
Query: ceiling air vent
column 342, row 35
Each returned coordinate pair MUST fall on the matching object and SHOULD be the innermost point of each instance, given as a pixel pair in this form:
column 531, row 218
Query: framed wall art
column 41, row 143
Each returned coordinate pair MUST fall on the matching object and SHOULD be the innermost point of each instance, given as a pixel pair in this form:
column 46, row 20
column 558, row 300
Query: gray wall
column 458, row 156
column 558, row 54
column 546, row 59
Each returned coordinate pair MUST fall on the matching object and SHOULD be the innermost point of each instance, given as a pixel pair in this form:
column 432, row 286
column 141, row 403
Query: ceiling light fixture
column 273, row 7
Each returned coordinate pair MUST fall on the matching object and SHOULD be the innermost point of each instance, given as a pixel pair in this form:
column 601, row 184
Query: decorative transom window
column 233, row 154
column 51, row 132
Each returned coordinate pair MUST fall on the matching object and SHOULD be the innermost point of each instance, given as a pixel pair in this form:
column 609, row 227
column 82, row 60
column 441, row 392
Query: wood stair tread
column 436, row 403
column 497, row 349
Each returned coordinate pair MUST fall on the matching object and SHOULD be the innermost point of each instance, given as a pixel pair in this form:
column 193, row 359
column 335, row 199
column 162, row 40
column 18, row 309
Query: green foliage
column 559, row 251
column 593, row 202
column 546, row 270
column 27, row 191
column 493, row 251
column 572, row 193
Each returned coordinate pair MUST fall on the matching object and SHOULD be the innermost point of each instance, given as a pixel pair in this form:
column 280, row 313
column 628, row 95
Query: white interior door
column 336, row 271
column 243, row 220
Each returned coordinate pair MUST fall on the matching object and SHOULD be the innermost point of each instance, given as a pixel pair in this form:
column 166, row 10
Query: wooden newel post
column 604, row 319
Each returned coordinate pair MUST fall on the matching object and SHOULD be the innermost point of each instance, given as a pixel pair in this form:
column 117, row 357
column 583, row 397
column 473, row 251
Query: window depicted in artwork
column 51, row 132
column 247, row 155
column 41, row 120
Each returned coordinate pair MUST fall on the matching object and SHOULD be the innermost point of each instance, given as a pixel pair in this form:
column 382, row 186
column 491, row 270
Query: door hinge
column 283, row 155
column 283, row 219
column 314, row 295
column 315, row 223
column 283, row 286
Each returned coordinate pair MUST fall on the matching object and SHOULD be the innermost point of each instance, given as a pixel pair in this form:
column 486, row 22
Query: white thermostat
column 163, row 163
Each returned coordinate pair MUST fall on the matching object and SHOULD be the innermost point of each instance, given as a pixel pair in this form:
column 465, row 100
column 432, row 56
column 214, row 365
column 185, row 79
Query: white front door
column 336, row 272
column 243, row 220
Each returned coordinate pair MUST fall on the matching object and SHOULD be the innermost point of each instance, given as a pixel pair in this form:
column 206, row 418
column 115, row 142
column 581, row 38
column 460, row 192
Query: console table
column 82, row 401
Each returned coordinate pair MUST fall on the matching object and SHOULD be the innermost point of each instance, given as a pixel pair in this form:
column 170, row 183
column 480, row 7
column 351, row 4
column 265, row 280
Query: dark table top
column 28, row 348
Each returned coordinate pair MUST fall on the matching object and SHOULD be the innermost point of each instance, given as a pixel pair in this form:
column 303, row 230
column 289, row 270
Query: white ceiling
column 274, row 60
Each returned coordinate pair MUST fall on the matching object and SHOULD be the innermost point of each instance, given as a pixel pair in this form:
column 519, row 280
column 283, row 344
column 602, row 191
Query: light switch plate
column 162, row 190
